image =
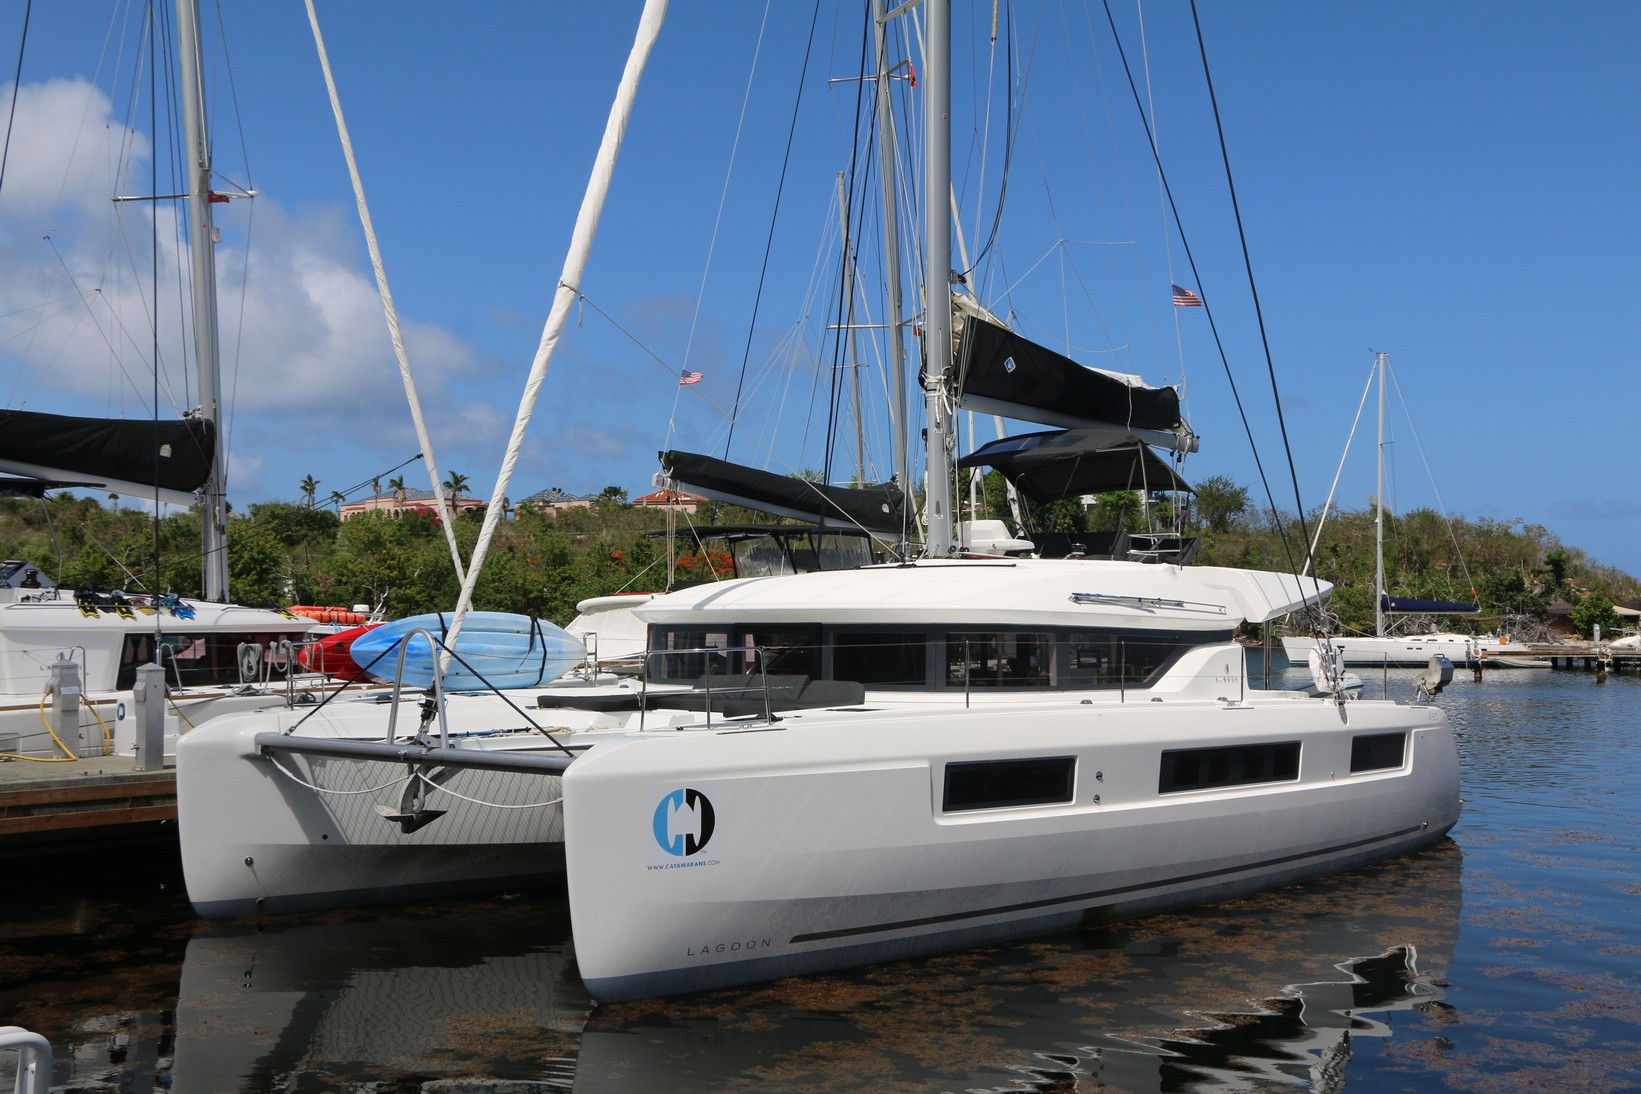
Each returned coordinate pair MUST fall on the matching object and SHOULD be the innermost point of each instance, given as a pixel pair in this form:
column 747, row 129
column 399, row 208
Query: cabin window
column 999, row 659
column 197, row 660
column 689, row 653
column 1126, row 658
column 882, row 658
column 785, row 653
column 995, row 784
column 1189, row 769
column 1377, row 752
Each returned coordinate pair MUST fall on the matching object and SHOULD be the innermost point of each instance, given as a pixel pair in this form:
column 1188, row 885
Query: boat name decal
column 727, row 947
column 683, row 824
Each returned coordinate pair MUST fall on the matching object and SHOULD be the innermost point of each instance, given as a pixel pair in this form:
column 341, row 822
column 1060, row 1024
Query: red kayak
column 329, row 654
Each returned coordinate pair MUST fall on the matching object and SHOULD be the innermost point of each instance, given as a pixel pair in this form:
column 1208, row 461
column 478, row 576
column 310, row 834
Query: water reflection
column 477, row 989
column 1274, row 989
column 1282, row 987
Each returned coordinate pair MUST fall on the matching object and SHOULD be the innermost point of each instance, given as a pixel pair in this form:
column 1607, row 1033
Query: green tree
column 1220, row 502
column 1594, row 610
column 309, row 486
column 1116, row 511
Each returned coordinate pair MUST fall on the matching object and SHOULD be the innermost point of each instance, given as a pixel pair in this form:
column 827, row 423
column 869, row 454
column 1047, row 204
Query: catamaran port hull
column 272, row 830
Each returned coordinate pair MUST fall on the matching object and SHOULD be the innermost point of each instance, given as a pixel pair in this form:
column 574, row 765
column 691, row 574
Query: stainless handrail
column 438, row 685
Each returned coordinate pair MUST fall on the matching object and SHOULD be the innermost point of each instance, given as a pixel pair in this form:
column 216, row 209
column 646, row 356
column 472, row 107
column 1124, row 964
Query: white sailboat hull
column 270, row 834
column 1415, row 651
column 810, row 862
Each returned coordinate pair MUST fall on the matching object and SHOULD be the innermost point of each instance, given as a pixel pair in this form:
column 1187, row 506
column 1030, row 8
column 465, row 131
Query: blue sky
column 1456, row 184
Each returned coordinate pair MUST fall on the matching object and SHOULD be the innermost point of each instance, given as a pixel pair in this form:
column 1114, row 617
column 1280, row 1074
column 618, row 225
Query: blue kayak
column 501, row 650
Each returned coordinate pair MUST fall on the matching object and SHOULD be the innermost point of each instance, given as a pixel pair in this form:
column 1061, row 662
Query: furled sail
column 1000, row 372
column 173, row 456
column 1414, row 606
column 1071, row 462
column 879, row 508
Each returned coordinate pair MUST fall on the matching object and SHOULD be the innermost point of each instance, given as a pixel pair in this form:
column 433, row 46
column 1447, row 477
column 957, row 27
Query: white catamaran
column 844, row 766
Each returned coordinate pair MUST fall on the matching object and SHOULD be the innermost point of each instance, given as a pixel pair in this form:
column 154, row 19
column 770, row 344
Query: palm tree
column 309, row 486
column 337, row 498
column 397, row 485
column 375, row 487
column 455, row 484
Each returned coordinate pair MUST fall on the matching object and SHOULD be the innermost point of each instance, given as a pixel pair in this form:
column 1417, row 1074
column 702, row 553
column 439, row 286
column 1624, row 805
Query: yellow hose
column 68, row 755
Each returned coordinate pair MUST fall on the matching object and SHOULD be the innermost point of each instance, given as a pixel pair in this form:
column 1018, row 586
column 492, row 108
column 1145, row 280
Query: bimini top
column 1056, row 592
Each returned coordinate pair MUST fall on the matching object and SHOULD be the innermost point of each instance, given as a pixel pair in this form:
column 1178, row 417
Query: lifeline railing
column 417, row 749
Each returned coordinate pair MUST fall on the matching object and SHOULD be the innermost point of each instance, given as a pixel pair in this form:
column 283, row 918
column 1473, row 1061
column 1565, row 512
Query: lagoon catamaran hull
column 705, row 859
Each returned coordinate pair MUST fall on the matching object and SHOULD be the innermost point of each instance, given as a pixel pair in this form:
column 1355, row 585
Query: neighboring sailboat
column 265, row 833
column 1383, row 648
column 83, row 650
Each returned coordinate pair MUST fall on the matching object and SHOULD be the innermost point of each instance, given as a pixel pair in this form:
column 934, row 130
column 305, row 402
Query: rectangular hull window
column 994, row 784
column 1377, row 752
column 1190, row 769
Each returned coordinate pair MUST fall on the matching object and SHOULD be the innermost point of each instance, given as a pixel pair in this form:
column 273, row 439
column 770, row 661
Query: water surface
column 1505, row 958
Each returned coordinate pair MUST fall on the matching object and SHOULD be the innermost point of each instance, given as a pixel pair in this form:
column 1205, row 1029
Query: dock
column 1582, row 655
column 94, row 798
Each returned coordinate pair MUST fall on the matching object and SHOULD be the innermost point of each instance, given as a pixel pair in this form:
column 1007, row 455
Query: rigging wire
column 1253, row 288
column 775, row 213
column 1207, row 309
column 16, row 90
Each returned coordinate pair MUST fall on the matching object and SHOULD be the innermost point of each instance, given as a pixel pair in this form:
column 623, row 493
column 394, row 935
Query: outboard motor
column 1436, row 676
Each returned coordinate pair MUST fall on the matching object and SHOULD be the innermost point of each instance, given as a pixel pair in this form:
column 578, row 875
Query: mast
column 853, row 354
column 937, row 300
column 1379, row 512
column 891, row 253
column 201, row 242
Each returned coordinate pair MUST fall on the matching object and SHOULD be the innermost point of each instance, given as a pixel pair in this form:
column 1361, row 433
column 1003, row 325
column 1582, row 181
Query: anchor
column 413, row 814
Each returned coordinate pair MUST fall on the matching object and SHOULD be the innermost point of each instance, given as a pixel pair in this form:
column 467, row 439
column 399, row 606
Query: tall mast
column 201, row 242
column 937, row 299
column 1379, row 513
column 891, row 260
column 850, row 330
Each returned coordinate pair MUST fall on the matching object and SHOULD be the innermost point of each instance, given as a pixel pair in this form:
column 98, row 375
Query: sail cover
column 1411, row 606
column 1071, row 462
column 1000, row 372
column 172, row 455
column 879, row 508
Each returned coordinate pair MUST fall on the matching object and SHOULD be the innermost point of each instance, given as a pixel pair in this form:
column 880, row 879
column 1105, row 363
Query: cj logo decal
column 683, row 822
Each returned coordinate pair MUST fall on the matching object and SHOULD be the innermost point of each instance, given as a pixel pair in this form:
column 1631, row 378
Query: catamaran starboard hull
column 738, row 857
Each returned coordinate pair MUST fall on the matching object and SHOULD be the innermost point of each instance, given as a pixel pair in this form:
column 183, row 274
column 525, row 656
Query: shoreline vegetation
column 1521, row 575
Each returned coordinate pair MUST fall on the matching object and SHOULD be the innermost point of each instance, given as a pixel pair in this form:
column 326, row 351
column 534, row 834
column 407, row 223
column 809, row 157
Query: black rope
column 1010, row 135
column 1206, row 304
column 16, row 92
column 769, row 241
column 1253, row 288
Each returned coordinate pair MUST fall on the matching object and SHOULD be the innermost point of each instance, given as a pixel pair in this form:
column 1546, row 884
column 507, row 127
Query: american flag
column 689, row 378
column 1185, row 298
